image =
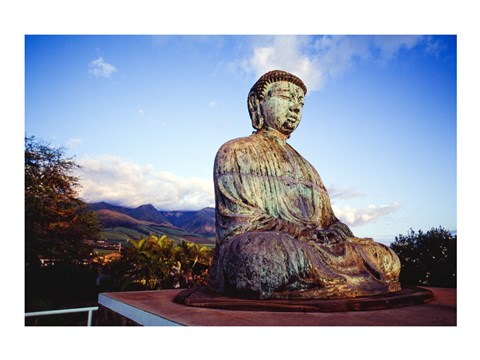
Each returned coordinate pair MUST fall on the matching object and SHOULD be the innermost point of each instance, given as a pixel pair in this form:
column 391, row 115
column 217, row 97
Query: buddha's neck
column 274, row 134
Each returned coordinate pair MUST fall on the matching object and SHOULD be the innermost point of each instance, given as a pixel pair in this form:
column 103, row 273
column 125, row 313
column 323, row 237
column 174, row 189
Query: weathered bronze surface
column 277, row 235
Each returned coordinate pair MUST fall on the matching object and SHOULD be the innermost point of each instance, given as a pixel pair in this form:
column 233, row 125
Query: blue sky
column 145, row 115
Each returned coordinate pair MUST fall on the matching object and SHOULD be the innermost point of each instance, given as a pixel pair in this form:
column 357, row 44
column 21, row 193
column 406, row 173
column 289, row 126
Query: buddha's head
column 276, row 102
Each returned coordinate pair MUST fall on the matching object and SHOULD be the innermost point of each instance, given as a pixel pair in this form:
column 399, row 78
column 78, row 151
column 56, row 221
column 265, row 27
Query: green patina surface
column 277, row 235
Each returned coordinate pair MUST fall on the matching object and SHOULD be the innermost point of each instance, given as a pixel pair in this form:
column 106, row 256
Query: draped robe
column 269, row 202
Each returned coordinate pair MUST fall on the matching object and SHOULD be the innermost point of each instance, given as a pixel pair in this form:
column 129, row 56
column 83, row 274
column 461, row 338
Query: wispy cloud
column 435, row 47
column 318, row 59
column 73, row 143
column 100, row 68
column 352, row 216
column 355, row 217
column 339, row 193
column 390, row 45
column 119, row 181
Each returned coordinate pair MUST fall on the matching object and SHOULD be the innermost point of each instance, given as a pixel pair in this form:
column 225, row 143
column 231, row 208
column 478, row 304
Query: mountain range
column 120, row 223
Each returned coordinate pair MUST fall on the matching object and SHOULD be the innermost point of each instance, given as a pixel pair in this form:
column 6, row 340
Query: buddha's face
column 282, row 106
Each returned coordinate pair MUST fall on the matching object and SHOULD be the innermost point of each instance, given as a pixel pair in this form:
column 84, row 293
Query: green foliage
column 428, row 259
column 56, row 221
column 156, row 262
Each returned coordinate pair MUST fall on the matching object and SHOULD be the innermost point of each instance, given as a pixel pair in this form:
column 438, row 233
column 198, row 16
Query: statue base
column 205, row 298
column 158, row 308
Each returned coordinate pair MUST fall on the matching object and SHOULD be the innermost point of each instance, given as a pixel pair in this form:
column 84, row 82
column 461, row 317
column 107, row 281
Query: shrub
column 428, row 259
column 156, row 263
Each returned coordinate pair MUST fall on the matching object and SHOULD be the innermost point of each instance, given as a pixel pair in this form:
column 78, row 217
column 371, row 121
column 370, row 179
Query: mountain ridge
column 120, row 223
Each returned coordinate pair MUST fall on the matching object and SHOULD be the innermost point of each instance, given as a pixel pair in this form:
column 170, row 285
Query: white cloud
column 119, row 181
column 99, row 68
column 73, row 143
column 285, row 53
column 355, row 217
column 212, row 104
column 317, row 60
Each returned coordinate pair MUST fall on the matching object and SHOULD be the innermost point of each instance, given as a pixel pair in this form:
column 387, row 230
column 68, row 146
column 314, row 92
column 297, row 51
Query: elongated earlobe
column 259, row 123
column 255, row 112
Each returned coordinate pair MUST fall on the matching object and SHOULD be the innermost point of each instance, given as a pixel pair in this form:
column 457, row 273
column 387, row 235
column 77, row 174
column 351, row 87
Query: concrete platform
column 157, row 308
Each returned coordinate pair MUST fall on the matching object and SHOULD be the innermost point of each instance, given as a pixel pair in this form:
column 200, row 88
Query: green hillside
column 122, row 234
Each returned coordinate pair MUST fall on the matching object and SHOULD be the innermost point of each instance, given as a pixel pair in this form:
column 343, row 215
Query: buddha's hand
column 320, row 236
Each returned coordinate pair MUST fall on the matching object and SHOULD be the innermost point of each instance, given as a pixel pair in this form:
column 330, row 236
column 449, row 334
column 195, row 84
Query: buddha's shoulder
column 239, row 144
column 238, row 153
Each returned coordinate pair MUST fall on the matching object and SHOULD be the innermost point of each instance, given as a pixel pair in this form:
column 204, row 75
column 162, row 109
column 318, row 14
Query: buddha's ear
column 255, row 112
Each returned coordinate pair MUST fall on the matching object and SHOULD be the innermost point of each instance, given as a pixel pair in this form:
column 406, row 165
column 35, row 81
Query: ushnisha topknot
column 258, row 89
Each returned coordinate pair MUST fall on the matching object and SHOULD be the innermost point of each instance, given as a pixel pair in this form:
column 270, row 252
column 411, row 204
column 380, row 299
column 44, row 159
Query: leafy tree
column 57, row 222
column 428, row 259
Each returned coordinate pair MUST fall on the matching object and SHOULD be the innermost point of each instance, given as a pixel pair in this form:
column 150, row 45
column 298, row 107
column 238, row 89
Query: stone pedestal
column 158, row 308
